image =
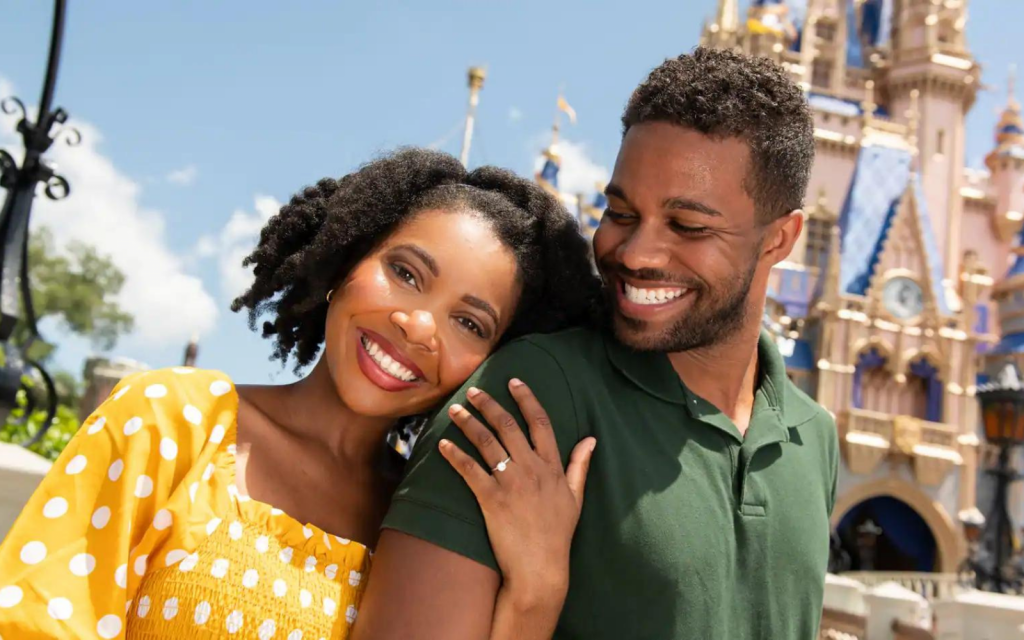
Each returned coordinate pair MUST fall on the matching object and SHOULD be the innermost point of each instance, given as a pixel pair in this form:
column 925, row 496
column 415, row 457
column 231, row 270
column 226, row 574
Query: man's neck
column 724, row 374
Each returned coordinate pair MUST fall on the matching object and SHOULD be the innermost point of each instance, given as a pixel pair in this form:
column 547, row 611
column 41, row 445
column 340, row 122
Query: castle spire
column 728, row 16
column 1010, row 130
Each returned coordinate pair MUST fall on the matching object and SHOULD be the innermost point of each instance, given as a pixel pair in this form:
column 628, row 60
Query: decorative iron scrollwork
column 12, row 105
column 57, row 187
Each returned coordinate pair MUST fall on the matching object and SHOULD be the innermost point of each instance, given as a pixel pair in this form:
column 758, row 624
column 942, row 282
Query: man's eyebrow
column 691, row 205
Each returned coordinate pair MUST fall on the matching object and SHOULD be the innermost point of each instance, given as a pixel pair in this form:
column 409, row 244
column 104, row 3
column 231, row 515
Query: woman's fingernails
column 515, row 382
column 472, row 392
column 593, row 444
column 455, row 408
column 444, row 443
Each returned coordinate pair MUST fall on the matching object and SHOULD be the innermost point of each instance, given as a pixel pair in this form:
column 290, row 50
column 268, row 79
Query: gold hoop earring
column 329, row 294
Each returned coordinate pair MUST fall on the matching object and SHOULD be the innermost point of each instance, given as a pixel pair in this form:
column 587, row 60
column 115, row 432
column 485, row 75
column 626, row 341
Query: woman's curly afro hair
column 311, row 245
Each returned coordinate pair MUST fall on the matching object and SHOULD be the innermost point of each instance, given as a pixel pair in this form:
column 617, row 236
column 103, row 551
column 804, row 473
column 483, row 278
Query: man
column 709, row 496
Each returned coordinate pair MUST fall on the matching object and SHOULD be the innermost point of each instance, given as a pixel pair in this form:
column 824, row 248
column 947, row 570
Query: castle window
column 821, row 73
column 940, row 142
column 826, row 31
column 819, row 237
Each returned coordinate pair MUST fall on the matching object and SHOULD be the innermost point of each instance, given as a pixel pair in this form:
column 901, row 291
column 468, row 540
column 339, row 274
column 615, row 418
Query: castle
column 906, row 288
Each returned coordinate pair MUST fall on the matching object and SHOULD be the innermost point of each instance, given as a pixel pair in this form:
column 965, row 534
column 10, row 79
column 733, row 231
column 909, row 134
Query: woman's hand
column 530, row 504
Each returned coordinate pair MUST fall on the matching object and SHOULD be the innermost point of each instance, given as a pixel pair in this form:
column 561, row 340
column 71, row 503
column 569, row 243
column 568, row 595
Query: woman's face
column 418, row 315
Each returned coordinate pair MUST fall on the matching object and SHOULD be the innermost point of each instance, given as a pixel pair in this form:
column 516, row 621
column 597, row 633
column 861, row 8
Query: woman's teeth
column 386, row 362
column 637, row 295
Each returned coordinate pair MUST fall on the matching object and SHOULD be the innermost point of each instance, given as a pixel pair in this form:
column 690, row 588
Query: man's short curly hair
column 725, row 94
column 311, row 245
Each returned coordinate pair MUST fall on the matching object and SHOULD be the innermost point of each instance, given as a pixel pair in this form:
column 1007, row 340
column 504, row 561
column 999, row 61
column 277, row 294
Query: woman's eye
column 404, row 274
column 470, row 324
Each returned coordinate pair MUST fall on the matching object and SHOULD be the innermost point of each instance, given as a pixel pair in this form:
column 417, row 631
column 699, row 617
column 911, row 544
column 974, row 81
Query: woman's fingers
column 541, row 433
column 503, row 423
column 479, row 481
column 579, row 464
column 481, row 437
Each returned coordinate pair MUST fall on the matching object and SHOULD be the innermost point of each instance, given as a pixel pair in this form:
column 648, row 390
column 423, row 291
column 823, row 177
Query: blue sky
column 199, row 116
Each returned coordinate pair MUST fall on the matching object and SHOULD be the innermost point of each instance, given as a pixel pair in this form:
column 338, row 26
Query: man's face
column 680, row 245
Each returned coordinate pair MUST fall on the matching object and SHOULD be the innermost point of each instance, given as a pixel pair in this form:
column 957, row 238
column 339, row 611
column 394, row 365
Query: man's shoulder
column 803, row 411
column 571, row 350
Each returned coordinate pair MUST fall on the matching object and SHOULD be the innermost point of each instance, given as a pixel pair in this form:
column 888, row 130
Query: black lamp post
column 1002, row 411
column 21, row 183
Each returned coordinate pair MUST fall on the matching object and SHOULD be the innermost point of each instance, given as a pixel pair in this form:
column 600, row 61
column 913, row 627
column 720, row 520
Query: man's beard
column 709, row 320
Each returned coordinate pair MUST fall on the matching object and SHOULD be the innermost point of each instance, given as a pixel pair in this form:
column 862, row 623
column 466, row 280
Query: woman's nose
column 418, row 328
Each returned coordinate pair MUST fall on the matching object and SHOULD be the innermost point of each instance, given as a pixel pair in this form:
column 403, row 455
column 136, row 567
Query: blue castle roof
column 881, row 180
column 1018, row 265
column 802, row 358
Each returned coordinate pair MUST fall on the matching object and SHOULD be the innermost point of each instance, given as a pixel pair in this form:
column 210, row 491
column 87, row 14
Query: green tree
column 77, row 288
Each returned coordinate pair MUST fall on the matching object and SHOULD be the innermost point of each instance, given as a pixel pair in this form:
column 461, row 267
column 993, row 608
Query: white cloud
column 184, row 176
column 514, row 114
column 579, row 173
column 104, row 210
column 235, row 241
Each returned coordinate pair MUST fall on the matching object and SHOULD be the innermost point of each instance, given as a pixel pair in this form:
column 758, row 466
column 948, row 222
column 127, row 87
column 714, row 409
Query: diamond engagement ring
column 502, row 465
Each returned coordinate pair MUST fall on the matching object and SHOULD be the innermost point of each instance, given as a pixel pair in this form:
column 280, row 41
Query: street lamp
column 1002, row 412
column 21, row 183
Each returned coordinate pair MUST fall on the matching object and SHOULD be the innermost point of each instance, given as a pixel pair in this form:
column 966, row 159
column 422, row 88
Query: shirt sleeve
column 72, row 561
column 433, row 502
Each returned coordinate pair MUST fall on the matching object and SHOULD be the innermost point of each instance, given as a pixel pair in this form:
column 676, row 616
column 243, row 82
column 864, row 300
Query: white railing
column 931, row 586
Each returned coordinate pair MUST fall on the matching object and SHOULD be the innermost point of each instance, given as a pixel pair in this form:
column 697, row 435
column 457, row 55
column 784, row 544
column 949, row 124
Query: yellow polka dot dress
column 139, row 532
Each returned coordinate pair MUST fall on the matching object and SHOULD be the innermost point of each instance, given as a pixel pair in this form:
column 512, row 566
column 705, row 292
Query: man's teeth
column 637, row 295
column 386, row 362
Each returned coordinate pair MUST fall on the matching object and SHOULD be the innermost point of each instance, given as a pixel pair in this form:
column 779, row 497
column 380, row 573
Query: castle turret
column 1006, row 166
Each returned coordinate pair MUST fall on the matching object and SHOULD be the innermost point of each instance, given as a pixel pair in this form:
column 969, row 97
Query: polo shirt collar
column 654, row 374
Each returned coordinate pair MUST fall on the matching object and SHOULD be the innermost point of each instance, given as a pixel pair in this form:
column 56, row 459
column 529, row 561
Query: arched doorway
column 884, row 533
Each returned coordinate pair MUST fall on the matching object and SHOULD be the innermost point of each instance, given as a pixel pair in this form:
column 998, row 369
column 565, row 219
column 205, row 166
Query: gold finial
column 868, row 105
column 913, row 120
column 1011, row 88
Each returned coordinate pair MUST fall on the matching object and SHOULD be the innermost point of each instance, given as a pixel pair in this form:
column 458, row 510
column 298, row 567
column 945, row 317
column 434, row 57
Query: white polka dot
column 176, row 556
column 286, row 554
column 217, row 435
column 275, row 511
column 143, row 608
column 101, row 517
column 235, row 530
column 330, row 606
column 192, row 489
column 115, row 470
column 76, row 466
column 168, row 449
column 234, row 621
column 220, row 387
column 82, row 565
column 193, row 415
column 232, row 492
column 208, row 472
column 162, row 520
column 295, row 635
column 280, row 588
column 262, row 544
column 331, row 571
column 143, row 487
column 170, row 608
column 132, row 426
column 140, row 565
column 121, row 576
column 10, row 597
column 119, row 394
column 250, row 579
column 203, row 611
column 189, row 563
column 212, row 525
column 220, row 568
column 267, row 630
column 55, row 508
column 232, row 449
column 108, row 627
column 33, row 553
column 183, row 370
column 305, row 598
column 310, row 564
column 307, row 532
column 327, row 540
column 354, row 578
column 350, row 614
column 342, row 540
column 60, row 609
column 97, row 426
column 156, row 391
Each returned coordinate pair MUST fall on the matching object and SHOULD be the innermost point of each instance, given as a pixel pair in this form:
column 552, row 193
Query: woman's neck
column 311, row 408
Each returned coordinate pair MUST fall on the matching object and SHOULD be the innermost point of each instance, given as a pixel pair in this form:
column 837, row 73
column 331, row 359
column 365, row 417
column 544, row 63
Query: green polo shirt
column 688, row 529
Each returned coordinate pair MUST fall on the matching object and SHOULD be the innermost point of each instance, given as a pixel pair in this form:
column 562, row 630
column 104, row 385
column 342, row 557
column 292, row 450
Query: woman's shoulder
column 172, row 398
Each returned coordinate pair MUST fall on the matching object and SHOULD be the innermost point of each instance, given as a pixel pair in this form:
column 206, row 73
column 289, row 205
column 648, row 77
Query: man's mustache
column 609, row 268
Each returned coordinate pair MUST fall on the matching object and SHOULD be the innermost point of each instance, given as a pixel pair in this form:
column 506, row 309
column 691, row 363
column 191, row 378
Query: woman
column 187, row 507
